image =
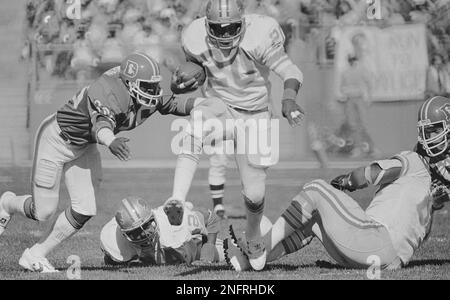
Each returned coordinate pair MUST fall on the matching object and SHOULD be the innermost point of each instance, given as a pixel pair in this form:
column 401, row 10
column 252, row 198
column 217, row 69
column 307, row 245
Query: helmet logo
column 131, row 69
column 446, row 110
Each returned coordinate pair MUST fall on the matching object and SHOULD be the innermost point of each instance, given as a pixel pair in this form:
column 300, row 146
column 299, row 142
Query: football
column 192, row 70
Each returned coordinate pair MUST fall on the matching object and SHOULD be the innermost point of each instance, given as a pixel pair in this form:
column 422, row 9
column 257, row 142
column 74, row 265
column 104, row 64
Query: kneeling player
column 143, row 235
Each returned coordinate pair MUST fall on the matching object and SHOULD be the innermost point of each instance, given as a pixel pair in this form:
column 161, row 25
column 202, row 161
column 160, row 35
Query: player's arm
column 177, row 85
column 178, row 106
column 186, row 253
column 212, row 224
column 103, row 121
column 377, row 173
column 275, row 57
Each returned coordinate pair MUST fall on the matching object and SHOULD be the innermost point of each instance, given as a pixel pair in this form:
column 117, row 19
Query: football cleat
column 5, row 217
column 234, row 253
column 256, row 253
column 36, row 264
column 174, row 210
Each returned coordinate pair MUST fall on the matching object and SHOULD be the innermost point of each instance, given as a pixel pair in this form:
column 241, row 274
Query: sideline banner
column 395, row 59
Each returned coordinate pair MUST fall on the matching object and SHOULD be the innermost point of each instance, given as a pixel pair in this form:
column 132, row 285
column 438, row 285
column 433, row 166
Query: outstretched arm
column 178, row 106
column 377, row 173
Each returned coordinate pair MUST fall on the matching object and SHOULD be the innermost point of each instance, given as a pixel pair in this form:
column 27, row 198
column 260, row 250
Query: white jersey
column 404, row 206
column 242, row 80
column 193, row 226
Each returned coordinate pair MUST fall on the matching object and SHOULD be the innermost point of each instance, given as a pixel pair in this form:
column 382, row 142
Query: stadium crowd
column 108, row 29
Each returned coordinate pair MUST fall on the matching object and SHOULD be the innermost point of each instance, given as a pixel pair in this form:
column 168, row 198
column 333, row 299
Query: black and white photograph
column 225, row 145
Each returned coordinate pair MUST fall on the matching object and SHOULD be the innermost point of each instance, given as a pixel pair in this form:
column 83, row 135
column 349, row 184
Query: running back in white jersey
column 404, row 206
column 241, row 80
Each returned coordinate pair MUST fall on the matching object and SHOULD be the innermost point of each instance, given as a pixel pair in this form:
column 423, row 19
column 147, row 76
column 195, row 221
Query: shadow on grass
column 428, row 262
column 218, row 268
column 412, row 264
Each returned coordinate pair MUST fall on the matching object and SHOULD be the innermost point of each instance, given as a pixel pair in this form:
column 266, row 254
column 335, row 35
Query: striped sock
column 295, row 242
column 217, row 193
column 298, row 213
column 254, row 215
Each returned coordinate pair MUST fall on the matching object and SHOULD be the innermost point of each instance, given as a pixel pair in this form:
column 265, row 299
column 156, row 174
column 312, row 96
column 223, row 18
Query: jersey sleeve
column 269, row 50
column 103, row 107
column 178, row 106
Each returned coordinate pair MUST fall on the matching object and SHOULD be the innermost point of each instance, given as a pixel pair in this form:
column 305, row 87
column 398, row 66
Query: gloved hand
column 342, row 183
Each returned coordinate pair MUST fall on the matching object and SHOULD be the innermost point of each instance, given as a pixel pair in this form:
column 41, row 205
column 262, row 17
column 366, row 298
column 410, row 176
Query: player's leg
column 116, row 248
column 196, row 136
column 82, row 177
column 254, row 188
column 50, row 154
column 216, row 179
column 346, row 232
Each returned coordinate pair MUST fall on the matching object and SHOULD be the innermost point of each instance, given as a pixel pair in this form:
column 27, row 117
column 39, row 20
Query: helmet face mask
column 434, row 126
column 145, row 234
column 225, row 23
column 147, row 93
column 434, row 138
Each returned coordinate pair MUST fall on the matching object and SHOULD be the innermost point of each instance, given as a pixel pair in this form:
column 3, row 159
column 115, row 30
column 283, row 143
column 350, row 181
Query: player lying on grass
column 411, row 186
column 66, row 146
column 142, row 235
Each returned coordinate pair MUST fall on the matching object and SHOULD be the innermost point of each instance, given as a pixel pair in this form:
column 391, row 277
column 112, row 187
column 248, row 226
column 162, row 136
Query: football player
column 237, row 52
column 396, row 223
column 66, row 146
column 142, row 235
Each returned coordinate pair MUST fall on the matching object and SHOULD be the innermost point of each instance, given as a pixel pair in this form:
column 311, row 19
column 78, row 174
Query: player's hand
column 120, row 149
column 293, row 112
column 440, row 194
column 342, row 183
column 178, row 86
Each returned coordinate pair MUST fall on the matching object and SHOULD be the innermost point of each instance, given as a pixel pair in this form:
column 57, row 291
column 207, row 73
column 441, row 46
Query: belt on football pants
column 252, row 112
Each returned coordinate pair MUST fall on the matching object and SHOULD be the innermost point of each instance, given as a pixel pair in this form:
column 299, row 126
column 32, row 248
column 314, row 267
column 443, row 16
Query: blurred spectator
column 438, row 77
column 112, row 28
column 356, row 96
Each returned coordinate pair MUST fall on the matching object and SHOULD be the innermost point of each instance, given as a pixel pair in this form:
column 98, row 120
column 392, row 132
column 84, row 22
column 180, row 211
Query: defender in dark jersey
column 66, row 144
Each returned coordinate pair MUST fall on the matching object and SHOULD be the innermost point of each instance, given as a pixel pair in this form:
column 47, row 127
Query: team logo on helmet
column 131, row 69
column 446, row 110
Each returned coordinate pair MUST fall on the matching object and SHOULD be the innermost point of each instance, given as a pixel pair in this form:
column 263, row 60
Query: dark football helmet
column 142, row 76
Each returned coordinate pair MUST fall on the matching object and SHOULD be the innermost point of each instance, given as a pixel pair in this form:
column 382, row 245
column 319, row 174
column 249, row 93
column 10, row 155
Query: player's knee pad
column 75, row 219
column 46, row 174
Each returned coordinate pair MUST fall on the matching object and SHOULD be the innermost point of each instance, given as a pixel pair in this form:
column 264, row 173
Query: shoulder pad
column 193, row 37
column 258, row 31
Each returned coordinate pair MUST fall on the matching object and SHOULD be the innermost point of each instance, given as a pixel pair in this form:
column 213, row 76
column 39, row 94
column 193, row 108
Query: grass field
column 431, row 262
